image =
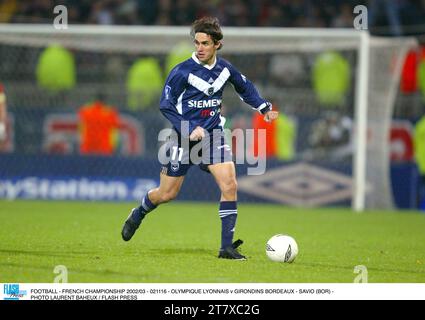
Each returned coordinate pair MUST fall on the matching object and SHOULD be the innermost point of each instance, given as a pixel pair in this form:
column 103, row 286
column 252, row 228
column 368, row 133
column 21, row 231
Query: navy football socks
column 228, row 213
column 146, row 207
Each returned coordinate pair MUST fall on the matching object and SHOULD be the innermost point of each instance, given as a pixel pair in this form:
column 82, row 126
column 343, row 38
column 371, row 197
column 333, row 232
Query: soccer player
column 3, row 114
column 191, row 101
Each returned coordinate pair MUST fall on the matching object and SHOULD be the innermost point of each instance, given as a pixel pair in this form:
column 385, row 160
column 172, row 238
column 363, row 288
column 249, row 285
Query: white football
column 282, row 248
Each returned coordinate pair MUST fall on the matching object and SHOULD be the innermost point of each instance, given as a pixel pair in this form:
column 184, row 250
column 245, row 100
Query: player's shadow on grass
column 123, row 276
column 58, row 253
column 178, row 251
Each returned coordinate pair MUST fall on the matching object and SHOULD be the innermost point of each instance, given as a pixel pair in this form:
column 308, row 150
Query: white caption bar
column 179, row 291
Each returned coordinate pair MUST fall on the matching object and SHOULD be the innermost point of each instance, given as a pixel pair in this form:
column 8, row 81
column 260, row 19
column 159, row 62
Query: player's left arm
column 249, row 94
column 271, row 115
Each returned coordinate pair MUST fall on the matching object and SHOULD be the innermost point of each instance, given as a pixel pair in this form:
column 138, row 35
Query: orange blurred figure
column 98, row 126
column 258, row 123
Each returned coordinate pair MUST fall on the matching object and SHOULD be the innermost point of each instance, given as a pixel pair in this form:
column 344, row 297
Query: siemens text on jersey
column 204, row 103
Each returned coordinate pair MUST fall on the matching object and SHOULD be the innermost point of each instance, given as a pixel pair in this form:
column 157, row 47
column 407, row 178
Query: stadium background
column 178, row 243
column 44, row 123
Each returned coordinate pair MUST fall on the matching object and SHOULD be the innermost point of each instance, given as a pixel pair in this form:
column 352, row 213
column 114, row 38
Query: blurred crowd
column 388, row 16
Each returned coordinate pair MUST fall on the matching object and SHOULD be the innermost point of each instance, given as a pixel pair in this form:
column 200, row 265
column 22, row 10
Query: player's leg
column 225, row 176
column 171, row 179
column 168, row 189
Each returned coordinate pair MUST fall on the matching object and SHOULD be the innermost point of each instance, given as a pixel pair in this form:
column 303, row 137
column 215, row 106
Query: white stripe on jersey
column 179, row 103
column 204, row 86
column 261, row 107
column 221, row 80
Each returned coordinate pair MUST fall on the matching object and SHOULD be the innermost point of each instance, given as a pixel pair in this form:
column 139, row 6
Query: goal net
column 337, row 89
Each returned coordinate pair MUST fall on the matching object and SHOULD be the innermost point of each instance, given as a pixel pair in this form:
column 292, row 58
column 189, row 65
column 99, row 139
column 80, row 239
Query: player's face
column 205, row 48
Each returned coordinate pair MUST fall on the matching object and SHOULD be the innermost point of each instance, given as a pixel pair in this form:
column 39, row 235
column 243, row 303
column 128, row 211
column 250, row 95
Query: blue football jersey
column 193, row 92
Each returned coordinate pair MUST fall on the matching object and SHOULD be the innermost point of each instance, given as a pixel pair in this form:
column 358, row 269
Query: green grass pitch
column 179, row 242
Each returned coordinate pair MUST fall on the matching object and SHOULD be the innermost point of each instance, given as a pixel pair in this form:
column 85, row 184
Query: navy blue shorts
column 182, row 153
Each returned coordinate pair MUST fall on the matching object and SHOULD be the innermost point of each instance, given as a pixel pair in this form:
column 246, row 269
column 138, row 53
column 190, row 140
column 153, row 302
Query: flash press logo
column 13, row 292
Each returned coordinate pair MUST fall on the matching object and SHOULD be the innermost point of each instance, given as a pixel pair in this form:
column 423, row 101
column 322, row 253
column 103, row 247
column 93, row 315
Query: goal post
column 375, row 64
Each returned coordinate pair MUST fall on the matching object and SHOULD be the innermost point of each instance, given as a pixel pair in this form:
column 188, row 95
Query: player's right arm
column 3, row 114
column 197, row 134
column 171, row 104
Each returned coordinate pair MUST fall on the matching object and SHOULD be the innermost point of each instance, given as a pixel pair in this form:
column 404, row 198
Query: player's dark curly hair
column 210, row 26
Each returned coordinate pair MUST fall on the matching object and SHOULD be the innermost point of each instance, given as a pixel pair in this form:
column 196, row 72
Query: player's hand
column 2, row 132
column 271, row 115
column 197, row 134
